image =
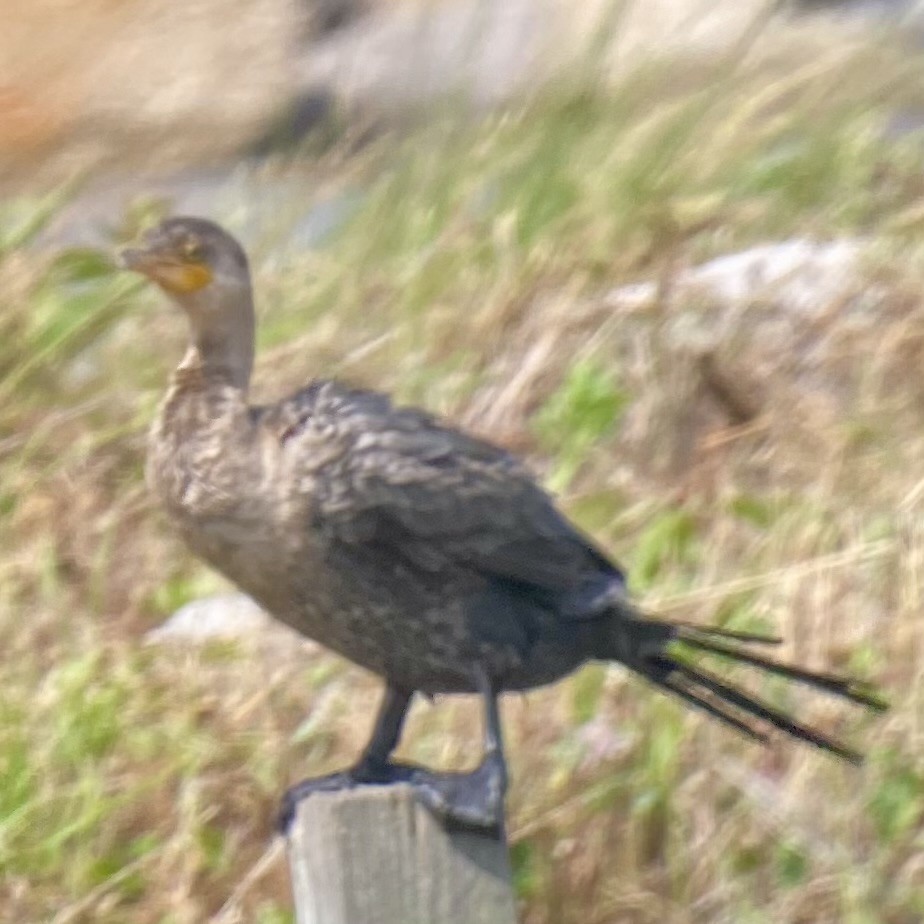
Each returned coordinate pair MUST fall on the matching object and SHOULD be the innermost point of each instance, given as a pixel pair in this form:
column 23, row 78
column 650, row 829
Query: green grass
column 139, row 785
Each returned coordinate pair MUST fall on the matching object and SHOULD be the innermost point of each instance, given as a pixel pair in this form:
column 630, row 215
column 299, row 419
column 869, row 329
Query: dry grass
column 138, row 785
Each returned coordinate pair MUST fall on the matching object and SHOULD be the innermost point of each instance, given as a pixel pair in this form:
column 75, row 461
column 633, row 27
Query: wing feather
column 437, row 498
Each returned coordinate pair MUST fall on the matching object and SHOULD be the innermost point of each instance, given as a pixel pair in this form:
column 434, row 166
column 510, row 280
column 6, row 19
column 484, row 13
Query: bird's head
column 198, row 264
column 204, row 271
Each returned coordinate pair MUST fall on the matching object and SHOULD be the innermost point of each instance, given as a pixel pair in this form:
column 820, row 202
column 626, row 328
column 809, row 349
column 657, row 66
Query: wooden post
column 376, row 856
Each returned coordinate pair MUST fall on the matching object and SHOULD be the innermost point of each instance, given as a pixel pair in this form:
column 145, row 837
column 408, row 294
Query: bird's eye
column 192, row 249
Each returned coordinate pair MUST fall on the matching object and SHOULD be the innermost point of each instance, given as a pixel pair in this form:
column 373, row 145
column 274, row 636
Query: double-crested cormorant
column 427, row 556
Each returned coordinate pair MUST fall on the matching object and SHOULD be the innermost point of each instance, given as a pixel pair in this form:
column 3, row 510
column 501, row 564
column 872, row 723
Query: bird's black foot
column 474, row 801
column 333, row 782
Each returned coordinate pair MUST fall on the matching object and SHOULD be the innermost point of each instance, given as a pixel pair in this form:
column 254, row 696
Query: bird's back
column 416, row 549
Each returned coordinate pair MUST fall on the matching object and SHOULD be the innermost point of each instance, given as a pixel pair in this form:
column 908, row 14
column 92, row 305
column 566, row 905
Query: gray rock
column 223, row 617
column 769, row 333
column 800, row 275
column 408, row 55
column 484, row 52
column 325, row 16
column 783, row 306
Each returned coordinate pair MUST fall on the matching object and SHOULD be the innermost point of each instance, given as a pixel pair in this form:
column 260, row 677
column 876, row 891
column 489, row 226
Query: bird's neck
column 221, row 348
column 208, row 392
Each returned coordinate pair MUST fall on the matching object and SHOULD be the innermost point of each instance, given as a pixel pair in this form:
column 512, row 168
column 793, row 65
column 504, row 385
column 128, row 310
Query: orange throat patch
column 180, row 277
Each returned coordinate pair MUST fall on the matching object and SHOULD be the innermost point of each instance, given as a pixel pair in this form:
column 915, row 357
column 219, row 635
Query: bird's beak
column 169, row 271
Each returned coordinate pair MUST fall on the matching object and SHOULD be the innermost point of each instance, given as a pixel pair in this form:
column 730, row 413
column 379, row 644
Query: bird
column 428, row 556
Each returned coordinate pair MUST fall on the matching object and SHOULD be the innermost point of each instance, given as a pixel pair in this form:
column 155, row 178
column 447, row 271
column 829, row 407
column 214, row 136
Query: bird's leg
column 373, row 766
column 473, row 800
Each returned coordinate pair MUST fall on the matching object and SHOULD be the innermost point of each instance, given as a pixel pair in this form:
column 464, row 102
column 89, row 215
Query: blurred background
column 670, row 251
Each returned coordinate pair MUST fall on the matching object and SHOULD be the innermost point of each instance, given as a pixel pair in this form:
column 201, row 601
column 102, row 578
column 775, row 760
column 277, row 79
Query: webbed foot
column 472, row 801
column 333, row 782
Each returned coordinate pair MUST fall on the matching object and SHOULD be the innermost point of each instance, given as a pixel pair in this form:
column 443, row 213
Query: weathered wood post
column 376, row 856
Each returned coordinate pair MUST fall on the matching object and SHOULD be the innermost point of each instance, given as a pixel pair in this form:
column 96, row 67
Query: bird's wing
column 433, row 497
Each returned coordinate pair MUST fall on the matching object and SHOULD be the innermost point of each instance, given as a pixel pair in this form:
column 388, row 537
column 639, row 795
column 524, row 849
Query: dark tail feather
column 846, row 687
column 691, row 630
column 642, row 644
column 752, row 705
column 678, row 687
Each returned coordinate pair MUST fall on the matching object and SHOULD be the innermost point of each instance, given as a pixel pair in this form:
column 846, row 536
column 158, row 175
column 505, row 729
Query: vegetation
column 139, row 784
